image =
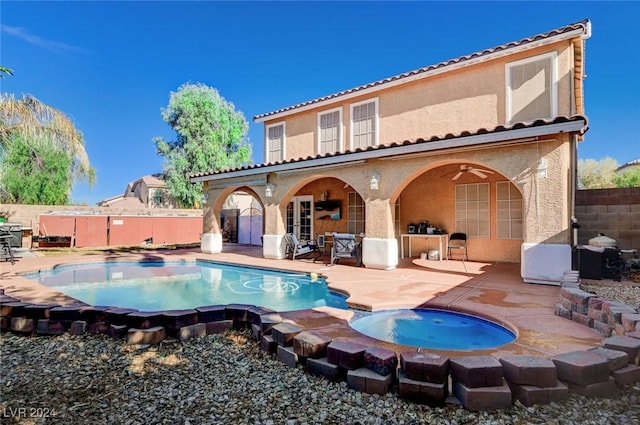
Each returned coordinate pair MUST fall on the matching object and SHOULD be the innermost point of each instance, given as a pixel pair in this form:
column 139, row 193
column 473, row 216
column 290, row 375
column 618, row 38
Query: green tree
column 5, row 70
column 210, row 135
column 594, row 174
column 41, row 153
column 629, row 178
column 35, row 174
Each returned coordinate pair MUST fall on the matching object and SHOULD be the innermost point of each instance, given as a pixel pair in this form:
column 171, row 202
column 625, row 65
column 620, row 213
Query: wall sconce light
column 375, row 181
column 268, row 191
column 543, row 167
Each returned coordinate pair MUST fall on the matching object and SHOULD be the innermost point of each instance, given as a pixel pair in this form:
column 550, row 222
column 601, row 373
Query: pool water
column 435, row 329
column 154, row 286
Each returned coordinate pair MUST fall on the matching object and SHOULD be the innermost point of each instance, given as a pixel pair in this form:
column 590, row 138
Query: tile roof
column 629, row 164
column 129, row 202
column 463, row 134
column 154, row 180
column 582, row 25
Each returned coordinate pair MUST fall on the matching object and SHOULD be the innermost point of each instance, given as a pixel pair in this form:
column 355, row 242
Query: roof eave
column 574, row 126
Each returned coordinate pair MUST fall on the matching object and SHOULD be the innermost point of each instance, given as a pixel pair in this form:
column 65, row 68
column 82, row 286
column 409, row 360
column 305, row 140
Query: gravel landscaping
column 226, row 379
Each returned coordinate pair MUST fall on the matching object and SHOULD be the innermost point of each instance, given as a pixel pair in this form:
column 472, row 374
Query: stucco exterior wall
column 463, row 100
column 425, row 191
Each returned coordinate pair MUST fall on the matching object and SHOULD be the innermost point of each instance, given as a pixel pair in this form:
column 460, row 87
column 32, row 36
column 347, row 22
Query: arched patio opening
column 318, row 207
column 460, row 196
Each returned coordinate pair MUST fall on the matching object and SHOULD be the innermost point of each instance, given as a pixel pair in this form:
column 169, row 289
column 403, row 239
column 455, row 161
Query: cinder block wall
column 614, row 212
column 27, row 215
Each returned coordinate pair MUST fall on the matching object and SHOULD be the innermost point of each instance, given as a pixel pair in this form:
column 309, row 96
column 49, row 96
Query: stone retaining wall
column 478, row 382
column 608, row 317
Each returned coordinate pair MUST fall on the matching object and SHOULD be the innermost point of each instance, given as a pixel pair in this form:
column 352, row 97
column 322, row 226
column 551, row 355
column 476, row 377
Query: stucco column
column 379, row 247
column 273, row 245
column 546, row 251
column 211, row 241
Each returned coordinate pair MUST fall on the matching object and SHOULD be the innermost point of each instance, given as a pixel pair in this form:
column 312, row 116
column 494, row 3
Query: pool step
column 424, row 366
column 311, row 344
column 367, row 381
column 283, row 333
column 477, row 371
column 346, row 354
column 485, row 398
column 432, row 393
column 322, row 367
column 146, row 336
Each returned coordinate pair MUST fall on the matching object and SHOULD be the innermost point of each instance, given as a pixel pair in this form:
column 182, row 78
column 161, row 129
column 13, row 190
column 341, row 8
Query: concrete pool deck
column 494, row 291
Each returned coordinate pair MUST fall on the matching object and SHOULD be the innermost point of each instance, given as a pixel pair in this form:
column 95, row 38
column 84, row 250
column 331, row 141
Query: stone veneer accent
column 420, row 376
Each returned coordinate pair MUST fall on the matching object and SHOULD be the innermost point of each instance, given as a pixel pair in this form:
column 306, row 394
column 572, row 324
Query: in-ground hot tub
column 434, row 329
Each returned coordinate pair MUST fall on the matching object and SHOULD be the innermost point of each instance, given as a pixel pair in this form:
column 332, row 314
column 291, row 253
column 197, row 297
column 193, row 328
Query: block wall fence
column 614, row 212
column 27, row 215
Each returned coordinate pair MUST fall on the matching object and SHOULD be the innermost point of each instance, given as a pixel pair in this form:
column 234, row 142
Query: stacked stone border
column 477, row 382
column 608, row 317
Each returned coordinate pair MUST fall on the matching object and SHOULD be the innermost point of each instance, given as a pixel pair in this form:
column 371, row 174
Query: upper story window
column 532, row 88
column 330, row 131
column 158, row 198
column 274, row 149
column 364, row 123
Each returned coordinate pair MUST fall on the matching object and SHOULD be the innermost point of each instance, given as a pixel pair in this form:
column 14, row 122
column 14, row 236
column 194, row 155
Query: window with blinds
column 508, row 211
column 532, row 89
column 364, row 124
column 355, row 216
column 274, row 150
column 472, row 210
column 330, row 131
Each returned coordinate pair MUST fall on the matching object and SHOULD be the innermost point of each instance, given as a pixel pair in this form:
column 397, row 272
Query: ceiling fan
column 480, row 172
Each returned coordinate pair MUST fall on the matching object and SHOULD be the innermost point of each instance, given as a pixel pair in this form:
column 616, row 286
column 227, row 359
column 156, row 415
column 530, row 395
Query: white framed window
column 472, row 210
column 330, row 131
column 355, row 214
column 509, row 207
column 274, row 149
column 532, row 88
column 364, row 124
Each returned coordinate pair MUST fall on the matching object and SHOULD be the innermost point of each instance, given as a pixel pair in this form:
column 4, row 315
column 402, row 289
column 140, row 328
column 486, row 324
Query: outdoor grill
column 601, row 259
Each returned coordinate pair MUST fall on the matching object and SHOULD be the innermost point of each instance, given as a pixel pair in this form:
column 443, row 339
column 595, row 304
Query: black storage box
column 590, row 263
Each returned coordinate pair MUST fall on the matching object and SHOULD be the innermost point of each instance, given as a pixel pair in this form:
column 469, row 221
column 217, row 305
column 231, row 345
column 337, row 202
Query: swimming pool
column 155, row 286
column 433, row 328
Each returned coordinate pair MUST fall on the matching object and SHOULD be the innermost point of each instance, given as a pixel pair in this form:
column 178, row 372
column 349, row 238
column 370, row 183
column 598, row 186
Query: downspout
column 574, row 187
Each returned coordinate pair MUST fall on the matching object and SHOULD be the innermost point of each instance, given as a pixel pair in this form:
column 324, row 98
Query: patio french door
column 300, row 217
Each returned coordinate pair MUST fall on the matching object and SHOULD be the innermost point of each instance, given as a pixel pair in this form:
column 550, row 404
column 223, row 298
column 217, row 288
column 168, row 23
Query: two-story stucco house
column 149, row 191
column 483, row 144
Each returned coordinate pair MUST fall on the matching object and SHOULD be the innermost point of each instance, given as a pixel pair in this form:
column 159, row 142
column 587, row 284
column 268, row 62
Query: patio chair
column 5, row 246
column 300, row 250
column 345, row 246
column 457, row 241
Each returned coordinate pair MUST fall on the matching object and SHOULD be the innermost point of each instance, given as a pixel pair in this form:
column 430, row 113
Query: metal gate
column 250, row 228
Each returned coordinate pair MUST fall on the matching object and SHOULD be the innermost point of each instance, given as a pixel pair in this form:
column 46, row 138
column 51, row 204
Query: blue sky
column 112, row 65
